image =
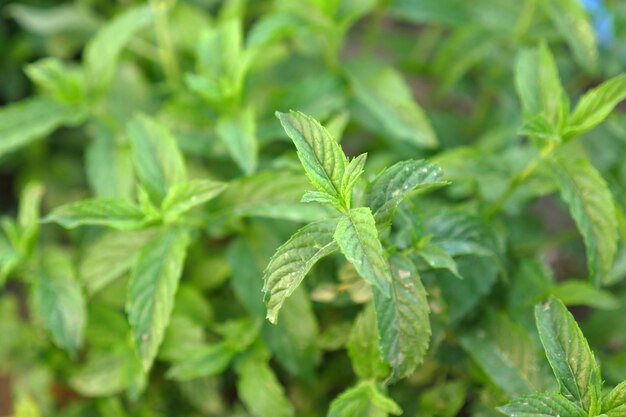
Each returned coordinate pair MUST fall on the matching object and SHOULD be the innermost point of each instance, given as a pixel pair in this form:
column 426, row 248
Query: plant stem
column 164, row 40
column 517, row 180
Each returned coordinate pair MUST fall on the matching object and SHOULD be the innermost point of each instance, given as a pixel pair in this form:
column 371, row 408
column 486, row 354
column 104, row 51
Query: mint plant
column 456, row 189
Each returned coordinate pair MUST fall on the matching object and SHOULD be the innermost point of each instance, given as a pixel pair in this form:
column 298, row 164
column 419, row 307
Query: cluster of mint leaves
column 417, row 295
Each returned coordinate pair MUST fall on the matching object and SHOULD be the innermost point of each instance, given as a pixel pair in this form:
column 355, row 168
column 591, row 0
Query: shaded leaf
column 152, row 288
column 363, row 347
column 363, row 400
column 117, row 213
column 238, row 132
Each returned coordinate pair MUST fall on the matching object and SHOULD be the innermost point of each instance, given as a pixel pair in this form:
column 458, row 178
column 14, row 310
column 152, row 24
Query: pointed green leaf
column 32, row 119
column 59, row 301
column 202, row 361
column 363, row 400
column 583, row 293
column 506, row 353
column 238, row 132
column 110, row 257
column 403, row 319
column 592, row 208
column 319, row 197
column 572, row 20
column 542, row 405
column 614, row 403
column 596, row 105
column 396, row 182
column 187, row 195
column 363, row 347
column 293, row 260
column 118, row 213
column 322, row 158
column 158, row 161
column 389, row 106
column 353, row 172
column 152, row 288
column 102, row 52
column 438, row 258
column 569, row 355
column 358, row 239
column 260, row 390
column 539, row 86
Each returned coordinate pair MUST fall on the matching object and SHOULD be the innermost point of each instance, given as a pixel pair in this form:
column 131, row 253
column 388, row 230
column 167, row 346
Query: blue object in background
column 603, row 22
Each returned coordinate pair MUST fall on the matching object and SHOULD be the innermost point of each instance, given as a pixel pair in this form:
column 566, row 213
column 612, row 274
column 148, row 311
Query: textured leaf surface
column 261, row 392
column 592, row 208
column 353, row 172
column 117, row 213
column 363, row 347
column 184, row 196
column 158, row 161
column 59, row 301
column 614, row 403
column 238, row 132
column 569, row 355
column 358, row 239
column 364, row 400
column 152, row 288
column 31, row 119
column 322, row 158
column 293, row 260
column 403, row 322
column 542, row 405
column 390, row 107
column 596, row 105
column 396, row 182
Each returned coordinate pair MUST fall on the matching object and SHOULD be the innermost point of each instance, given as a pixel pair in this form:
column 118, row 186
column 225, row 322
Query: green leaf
column 158, row 161
column 571, row 19
column 569, row 355
column 110, row 257
column 592, row 208
column 596, row 105
column 61, row 81
column 583, row 293
column 322, row 158
column 438, row 258
column 363, row 347
column 102, row 51
column 268, row 194
column 396, row 182
column 389, row 106
column 353, row 172
column 59, row 301
column 152, row 288
column 539, row 86
column 363, row 400
column 202, row 361
column 109, row 165
column 320, row 197
column 614, row 403
column 238, row 132
column 32, row 119
column 403, row 319
column 506, row 353
column 293, row 260
column 358, row 239
column 260, row 390
column 118, row 213
column 105, row 375
column 186, row 195
column 542, row 405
